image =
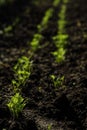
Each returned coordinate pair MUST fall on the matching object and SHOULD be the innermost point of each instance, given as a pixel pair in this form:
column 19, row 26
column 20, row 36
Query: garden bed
column 49, row 106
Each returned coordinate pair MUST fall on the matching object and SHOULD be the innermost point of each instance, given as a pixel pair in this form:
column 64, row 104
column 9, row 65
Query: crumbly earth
column 61, row 108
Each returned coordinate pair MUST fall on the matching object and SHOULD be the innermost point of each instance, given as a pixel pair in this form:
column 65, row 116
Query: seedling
column 35, row 42
column 38, row 37
column 59, row 55
column 8, row 29
column 60, row 40
column 56, row 2
column 45, row 20
column 62, row 24
column 57, row 81
column 16, row 105
column 65, row 1
column 22, row 71
column 49, row 127
column 62, row 12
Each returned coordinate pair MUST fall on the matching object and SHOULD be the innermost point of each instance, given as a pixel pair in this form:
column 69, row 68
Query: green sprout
column 35, row 42
column 62, row 24
column 65, row 1
column 56, row 2
column 22, row 71
column 59, row 55
column 57, row 81
column 16, row 105
column 43, row 25
column 60, row 40
column 62, row 12
column 49, row 127
column 8, row 29
column 45, row 20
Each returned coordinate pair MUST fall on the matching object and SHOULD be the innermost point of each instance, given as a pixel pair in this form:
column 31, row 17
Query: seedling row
column 43, row 79
column 23, row 68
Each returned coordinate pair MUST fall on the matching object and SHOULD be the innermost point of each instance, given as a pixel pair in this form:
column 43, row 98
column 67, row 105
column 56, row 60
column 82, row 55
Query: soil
column 62, row 108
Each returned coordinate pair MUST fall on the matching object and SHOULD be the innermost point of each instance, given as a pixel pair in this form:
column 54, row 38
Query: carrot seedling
column 22, row 71
column 57, row 81
column 16, row 105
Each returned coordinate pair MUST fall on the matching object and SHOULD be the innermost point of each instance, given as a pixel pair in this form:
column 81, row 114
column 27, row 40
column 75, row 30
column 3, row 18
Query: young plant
column 22, row 71
column 56, row 2
column 35, row 42
column 66, row 1
column 60, row 40
column 8, row 29
column 38, row 37
column 62, row 12
column 57, row 81
column 62, row 24
column 16, row 105
column 45, row 20
column 49, row 127
column 59, row 55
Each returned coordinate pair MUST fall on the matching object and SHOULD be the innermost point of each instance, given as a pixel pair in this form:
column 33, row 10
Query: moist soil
column 63, row 107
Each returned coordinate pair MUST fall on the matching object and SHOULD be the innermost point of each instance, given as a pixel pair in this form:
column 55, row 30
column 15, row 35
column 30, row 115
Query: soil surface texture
column 63, row 107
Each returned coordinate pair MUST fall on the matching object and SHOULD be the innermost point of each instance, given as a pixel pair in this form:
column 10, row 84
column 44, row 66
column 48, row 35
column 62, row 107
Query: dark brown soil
column 63, row 108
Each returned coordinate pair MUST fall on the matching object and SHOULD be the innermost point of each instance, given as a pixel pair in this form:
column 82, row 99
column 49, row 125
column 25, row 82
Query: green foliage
column 22, row 71
column 62, row 24
column 65, row 1
column 45, row 20
column 55, row 3
column 49, row 127
column 8, row 29
column 2, row 2
column 59, row 54
column 57, row 81
column 60, row 40
column 62, row 12
column 35, row 42
column 16, row 105
column 38, row 37
column 43, row 25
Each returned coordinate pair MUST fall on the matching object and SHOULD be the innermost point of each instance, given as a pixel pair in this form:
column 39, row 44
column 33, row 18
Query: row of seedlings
column 42, row 26
column 38, row 37
column 60, row 41
column 23, row 67
column 8, row 29
column 22, row 72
